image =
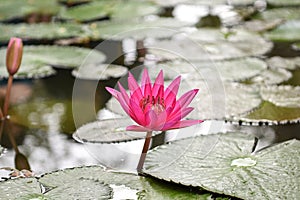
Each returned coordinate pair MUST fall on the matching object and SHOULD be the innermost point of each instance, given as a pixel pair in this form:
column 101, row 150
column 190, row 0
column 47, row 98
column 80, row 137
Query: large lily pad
column 282, row 96
column 218, row 46
column 21, row 188
column 287, row 32
column 231, row 35
column 229, row 168
column 134, row 187
column 257, row 25
column 49, row 31
column 110, row 8
column 277, row 62
column 99, row 72
column 30, row 188
column 80, row 189
column 37, row 60
column 222, row 103
column 137, row 28
column 230, row 70
column 168, row 3
column 107, row 131
column 20, row 8
column 272, row 76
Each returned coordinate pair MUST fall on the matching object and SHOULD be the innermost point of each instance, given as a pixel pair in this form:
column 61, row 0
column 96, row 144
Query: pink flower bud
column 14, row 55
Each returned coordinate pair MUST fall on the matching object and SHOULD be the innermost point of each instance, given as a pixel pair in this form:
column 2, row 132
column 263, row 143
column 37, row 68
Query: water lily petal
column 183, row 123
column 136, row 113
column 171, row 91
column 137, row 128
column 134, row 87
column 124, row 93
column 113, row 92
column 184, row 101
column 123, row 103
column 146, row 84
column 161, row 119
column 155, row 121
column 151, row 120
column 158, row 86
column 180, row 115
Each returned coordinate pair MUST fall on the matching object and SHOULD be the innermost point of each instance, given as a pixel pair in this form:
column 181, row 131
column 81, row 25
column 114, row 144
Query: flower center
column 156, row 104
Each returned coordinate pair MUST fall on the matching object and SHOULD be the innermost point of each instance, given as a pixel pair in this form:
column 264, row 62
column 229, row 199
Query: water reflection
column 9, row 135
column 41, row 116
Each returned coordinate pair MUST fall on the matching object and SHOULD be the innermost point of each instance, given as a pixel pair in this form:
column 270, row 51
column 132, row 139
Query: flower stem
column 7, row 95
column 144, row 152
column 2, row 121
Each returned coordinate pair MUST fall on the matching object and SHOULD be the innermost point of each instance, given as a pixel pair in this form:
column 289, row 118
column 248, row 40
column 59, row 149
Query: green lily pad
column 21, row 188
column 282, row 96
column 283, row 2
column 30, row 188
column 107, row 131
column 223, row 103
column 80, row 189
column 207, row 35
column 279, row 13
column 99, row 72
column 287, row 32
column 262, row 25
column 114, row 9
column 30, row 71
column 49, row 31
column 230, row 70
column 229, row 168
column 137, row 29
column 168, row 3
column 210, row 44
column 272, row 114
column 133, row 186
column 20, row 8
column 277, row 62
column 37, row 60
column 272, row 76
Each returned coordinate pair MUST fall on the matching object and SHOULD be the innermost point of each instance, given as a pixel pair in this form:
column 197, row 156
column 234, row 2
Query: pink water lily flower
column 153, row 107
